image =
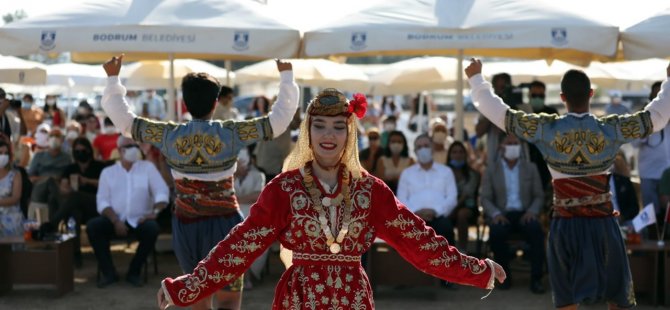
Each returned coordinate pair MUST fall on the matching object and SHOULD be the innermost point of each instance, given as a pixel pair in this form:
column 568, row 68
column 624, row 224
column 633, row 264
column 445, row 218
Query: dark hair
column 390, row 118
column 225, row 91
column 405, row 147
column 28, row 96
column 107, row 121
column 264, row 101
column 537, row 83
column 502, row 76
column 5, row 142
column 388, row 101
column 466, row 168
column 47, row 107
column 576, row 87
column 656, row 85
column 200, row 91
column 83, row 142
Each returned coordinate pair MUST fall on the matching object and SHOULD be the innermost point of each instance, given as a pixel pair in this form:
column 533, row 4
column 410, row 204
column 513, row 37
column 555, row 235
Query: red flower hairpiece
column 358, row 105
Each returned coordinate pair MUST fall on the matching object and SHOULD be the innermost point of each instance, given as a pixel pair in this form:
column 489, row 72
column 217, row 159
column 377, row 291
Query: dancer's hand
column 283, row 65
column 113, row 66
column 475, row 68
column 162, row 301
column 499, row 272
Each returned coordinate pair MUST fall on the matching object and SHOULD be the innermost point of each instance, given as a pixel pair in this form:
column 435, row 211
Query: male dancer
column 586, row 254
column 202, row 154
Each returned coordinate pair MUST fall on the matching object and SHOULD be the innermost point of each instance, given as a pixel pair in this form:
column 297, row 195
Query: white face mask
column 439, row 137
column 132, row 154
column 389, row 127
column 109, row 130
column 42, row 139
column 512, row 152
column 424, row 155
column 51, row 101
column 71, row 135
column 54, row 143
column 396, row 148
column 4, row 160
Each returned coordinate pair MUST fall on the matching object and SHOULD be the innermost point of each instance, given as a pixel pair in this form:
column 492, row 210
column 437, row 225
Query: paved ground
column 123, row 296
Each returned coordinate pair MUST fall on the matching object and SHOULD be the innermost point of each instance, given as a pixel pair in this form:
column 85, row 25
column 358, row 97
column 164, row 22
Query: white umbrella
column 153, row 29
column 15, row 70
column 629, row 75
column 311, row 72
column 528, row 71
column 415, row 75
column 648, row 38
column 78, row 76
column 150, row 74
column 501, row 28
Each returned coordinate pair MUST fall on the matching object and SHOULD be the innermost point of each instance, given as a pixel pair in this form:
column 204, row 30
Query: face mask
column 616, row 100
column 54, row 143
column 81, row 155
column 389, row 127
column 26, row 105
column 439, row 137
column 512, row 152
column 51, row 101
column 109, row 130
column 82, row 111
column 243, row 157
column 396, row 148
column 90, row 136
column 4, row 160
column 457, row 163
column 536, row 103
column 71, row 135
column 132, row 154
column 424, row 155
column 42, row 139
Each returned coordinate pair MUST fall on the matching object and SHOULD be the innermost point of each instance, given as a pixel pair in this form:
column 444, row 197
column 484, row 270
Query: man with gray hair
column 130, row 195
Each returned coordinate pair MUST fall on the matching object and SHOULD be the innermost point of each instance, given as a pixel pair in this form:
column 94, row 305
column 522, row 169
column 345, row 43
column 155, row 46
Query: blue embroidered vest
column 201, row 146
column 578, row 145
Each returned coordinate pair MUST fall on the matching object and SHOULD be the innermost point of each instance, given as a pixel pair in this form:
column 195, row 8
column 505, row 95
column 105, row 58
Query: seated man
column 46, row 169
column 512, row 197
column 130, row 195
column 429, row 190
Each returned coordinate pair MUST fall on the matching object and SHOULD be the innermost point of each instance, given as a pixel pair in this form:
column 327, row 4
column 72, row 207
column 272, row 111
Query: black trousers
column 531, row 231
column 101, row 231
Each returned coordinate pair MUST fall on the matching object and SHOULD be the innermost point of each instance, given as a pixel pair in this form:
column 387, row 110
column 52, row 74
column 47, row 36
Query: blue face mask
column 424, row 155
column 457, row 163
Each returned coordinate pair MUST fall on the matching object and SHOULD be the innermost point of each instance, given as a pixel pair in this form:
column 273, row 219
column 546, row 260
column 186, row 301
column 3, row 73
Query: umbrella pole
column 229, row 67
column 458, row 126
column 171, row 96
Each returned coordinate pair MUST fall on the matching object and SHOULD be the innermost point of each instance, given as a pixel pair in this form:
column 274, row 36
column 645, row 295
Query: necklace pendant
column 335, row 248
column 326, row 201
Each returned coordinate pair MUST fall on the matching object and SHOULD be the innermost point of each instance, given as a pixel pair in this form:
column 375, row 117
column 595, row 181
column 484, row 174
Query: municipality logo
column 358, row 41
column 48, row 40
column 241, row 40
column 559, row 36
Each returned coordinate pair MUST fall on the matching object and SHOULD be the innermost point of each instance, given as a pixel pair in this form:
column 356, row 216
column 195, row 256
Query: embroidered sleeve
column 150, row 131
column 631, row 127
column 526, row 126
column 419, row 245
column 234, row 255
column 251, row 131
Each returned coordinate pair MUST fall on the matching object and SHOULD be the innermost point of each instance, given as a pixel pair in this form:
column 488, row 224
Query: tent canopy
column 648, row 38
column 156, row 74
column 152, row 29
column 15, row 70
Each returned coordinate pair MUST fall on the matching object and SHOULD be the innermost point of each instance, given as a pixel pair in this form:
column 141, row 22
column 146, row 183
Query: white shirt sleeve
column 404, row 189
column 103, row 197
column 659, row 108
column 159, row 189
column 117, row 108
column 451, row 199
column 286, row 105
column 487, row 102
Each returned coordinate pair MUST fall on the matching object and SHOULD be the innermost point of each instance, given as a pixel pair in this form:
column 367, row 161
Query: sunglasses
column 373, row 138
column 128, row 146
column 541, row 96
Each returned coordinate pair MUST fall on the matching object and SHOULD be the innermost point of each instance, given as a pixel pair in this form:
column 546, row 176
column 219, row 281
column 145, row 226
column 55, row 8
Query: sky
column 622, row 13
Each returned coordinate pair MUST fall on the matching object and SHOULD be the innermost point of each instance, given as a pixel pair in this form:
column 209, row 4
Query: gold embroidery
column 245, row 247
column 415, row 234
column 252, row 234
column 631, row 129
column 400, row 222
column 528, row 126
column 433, row 244
column 473, row 264
column 326, row 258
column 229, row 260
column 185, row 146
column 153, row 132
column 567, row 142
column 444, row 260
column 248, row 131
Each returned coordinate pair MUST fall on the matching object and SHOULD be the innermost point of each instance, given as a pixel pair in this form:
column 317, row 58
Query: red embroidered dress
column 319, row 279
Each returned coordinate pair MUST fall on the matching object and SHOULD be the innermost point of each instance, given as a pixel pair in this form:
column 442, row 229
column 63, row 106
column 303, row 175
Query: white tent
column 76, row 76
column 156, row 74
column 501, row 28
column 648, row 38
column 310, row 72
column 415, row 75
column 154, row 29
column 15, row 70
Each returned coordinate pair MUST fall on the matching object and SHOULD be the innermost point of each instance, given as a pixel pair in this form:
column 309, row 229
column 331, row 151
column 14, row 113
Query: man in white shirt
column 512, row 197
column 130, row 195
column 429, row 189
